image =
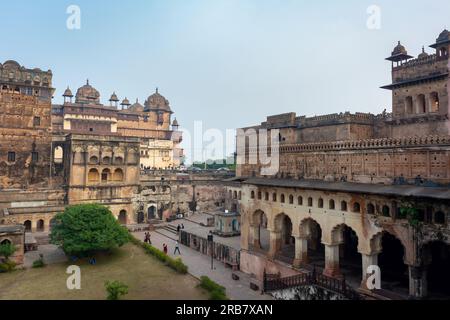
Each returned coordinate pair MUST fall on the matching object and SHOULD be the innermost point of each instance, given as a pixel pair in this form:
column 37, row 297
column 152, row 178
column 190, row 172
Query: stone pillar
column 301, row 251
column 418, row 287
column 256, row 237
column 367, row 260
column 275, row 243
column 33, row 225
column 332, row 261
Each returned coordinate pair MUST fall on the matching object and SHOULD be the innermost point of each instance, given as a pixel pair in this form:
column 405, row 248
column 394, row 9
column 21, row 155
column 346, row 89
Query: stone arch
column 300, row 200
column 434, row 102
column 5, row 241
column 282, row 198
column 343, row 205
column 106, row 175
column 291, row 199
column 106, row 160
column 331, row 204
column 58, row 155
column 123, row 217
column 40, row 225
column 152, row 211
column 386, row 211
column 320, row 203
column 260, row 234
column 370, row 208
column 356, row 207
column 118, row 175
column 118, row 160
column 27, row 225
column 252, row 194
column 310, row 201
column 93, row 175
column 93, row 160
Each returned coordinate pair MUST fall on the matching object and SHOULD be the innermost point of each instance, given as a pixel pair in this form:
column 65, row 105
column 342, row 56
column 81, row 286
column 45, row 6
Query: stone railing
column 363, row 144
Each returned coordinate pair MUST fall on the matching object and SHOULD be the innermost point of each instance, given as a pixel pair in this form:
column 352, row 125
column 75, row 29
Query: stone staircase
column 169, row 231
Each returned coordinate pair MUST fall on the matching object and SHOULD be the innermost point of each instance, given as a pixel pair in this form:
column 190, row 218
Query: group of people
column 147, row 239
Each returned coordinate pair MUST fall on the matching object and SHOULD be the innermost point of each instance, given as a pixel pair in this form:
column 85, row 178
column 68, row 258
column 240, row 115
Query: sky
column 227, row 63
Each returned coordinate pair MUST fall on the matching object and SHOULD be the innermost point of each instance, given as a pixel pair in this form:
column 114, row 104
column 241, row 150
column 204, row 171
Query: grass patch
column 176, row 264
column 216, row 291
column 147, row 279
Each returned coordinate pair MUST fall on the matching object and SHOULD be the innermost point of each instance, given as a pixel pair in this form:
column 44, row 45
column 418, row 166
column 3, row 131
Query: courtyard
column 146, row 277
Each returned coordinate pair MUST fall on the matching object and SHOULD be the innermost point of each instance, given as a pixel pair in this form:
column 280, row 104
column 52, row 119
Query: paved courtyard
column 200, row 265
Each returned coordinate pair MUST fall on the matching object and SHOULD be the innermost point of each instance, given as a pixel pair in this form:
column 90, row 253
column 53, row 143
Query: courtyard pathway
column 200, row 265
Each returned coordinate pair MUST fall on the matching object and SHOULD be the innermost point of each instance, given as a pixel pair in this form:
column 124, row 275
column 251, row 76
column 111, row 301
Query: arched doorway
column 40, row 226
column 350, row 260
column 27, row 225
column 6, row 241
column 437, row 261
column 151, row 213
column 123, row 217
column 58, row 155
column 286, row 249
column 394, row 271
column 261, row 236
column 313, row 252
column 140, row 218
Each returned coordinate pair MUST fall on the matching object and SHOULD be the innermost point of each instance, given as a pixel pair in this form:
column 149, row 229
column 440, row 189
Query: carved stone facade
column 355, row 190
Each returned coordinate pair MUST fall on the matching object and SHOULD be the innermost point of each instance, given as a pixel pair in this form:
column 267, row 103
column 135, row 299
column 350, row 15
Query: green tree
column 7, row 250
column 115, row 290
column 83, row 229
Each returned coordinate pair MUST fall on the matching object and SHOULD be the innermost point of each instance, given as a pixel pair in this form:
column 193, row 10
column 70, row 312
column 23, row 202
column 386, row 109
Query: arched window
column 6, row 241
column 370, row 208
column 93, row 175
column 300, row 200
column 274, row 197
column 118, row 175
column 331, row 204
column 421, row 104
column 434, row 102
column 259, row 195
column 386, row 211
column 320, row 203
column 40, row 225
column 439, row 217
column 106, row 160
column 282, row 199
column 356, row 207
column 118, row 160
column 291, row 199
column 267, row 196
column 58, row 155
column 27, row 225
column 310, row 202
column 409, row 105
column 252, row 195
column 93, row 160
column 343, row 206
column 106, row 175
column 123, row 217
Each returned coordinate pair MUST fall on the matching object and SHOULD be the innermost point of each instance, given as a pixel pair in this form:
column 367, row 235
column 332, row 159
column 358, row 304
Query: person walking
column 177, row 248
column 178, row 228
column 165, row 248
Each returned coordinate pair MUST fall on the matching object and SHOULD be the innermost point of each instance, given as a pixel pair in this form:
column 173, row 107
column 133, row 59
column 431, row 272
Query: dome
column 444, row 36
column 423, row 54
column 114, row 98
column 87, row 94
column 11, row 64
column 68, row 93
column 399, row 49
column 157, row 102
column 137, row 107
column 125, row 102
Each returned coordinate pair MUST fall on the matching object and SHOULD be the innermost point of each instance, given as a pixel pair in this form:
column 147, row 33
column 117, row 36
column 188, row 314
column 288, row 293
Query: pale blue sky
column 229, row 63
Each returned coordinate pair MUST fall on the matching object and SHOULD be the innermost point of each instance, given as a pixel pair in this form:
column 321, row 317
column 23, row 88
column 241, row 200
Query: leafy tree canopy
column 83, row 229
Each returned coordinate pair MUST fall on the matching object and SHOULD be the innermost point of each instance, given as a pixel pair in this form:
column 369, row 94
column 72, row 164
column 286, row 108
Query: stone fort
column 356, row 189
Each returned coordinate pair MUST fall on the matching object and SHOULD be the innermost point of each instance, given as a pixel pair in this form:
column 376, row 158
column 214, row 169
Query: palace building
column 355, row 190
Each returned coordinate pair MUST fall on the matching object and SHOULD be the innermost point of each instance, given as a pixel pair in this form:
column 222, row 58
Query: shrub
column 175, row 264
column 39, row 263
column 216, row 291
column 7, row 250
column 7, row 266
column 115, row 290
